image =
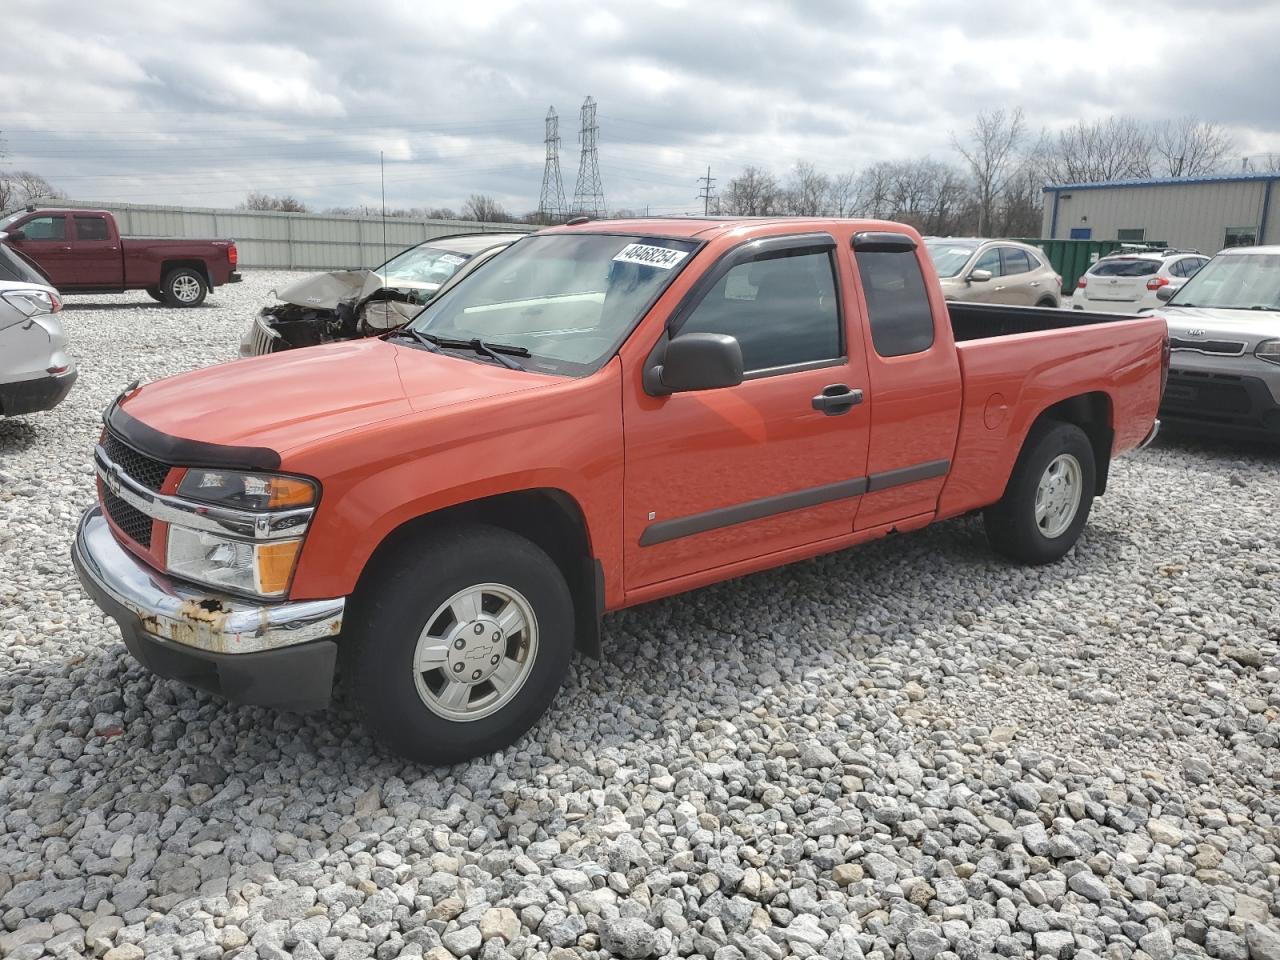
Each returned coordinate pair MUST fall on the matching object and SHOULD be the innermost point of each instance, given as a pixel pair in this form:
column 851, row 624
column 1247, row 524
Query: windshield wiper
column 501, row 352
column 415, row 335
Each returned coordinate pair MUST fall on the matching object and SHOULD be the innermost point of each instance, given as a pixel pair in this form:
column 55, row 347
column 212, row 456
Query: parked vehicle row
column 605, row 414
column 81, row 251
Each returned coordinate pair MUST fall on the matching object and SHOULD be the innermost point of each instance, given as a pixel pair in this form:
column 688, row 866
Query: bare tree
column 752, row 193
column 265, row 201
column 808, row 192
column 1090, row 152
column 931, row 196
column 481, row 206
column 1188, row 147
column 991, row 151
column 844, row 194
column 21, row 187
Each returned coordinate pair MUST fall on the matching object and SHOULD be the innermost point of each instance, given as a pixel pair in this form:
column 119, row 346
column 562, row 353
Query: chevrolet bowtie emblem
column 114, row 478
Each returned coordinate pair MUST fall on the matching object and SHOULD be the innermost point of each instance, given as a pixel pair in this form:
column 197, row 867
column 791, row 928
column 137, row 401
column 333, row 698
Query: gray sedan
column 35, row 371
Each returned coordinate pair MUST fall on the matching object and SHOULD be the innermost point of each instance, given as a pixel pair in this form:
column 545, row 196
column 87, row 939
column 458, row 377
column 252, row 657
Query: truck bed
column 981, row 321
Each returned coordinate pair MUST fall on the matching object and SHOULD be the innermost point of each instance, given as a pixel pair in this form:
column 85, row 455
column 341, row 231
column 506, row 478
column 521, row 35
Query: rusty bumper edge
column 189, row 616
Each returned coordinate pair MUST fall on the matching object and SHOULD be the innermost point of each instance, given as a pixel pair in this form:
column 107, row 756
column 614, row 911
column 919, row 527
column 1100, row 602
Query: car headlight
column 263, row 568
column 1268, row 350
column 247, row 491
column 242, row 564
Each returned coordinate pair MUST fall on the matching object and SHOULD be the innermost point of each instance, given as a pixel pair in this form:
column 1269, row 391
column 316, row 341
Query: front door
column 720, row 476
column 97, row 253
column 46, row 241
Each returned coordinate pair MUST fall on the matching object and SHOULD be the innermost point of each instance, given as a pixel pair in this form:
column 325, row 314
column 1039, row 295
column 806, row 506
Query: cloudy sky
column 199, row 103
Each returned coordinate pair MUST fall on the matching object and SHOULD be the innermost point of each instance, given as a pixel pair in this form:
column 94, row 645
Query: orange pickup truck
column 606, row 413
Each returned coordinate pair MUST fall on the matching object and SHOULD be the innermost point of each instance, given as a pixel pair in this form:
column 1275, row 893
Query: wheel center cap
column 475, row 650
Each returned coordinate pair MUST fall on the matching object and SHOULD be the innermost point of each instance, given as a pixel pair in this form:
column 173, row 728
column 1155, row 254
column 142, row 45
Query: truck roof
column 64, row 210
column 707, row 227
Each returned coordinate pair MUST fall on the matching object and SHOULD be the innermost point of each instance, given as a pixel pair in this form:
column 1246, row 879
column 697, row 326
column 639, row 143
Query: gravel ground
column 911, row 750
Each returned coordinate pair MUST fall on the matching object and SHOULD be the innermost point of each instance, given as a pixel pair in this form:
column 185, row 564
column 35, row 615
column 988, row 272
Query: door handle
column 1035, row 283
column 836, row 399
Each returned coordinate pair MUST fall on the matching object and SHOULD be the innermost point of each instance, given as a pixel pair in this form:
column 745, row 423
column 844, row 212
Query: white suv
column 1127, row 282
column 35, row 370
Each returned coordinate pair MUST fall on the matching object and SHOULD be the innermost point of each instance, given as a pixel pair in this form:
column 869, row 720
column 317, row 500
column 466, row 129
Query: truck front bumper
column 269, row 654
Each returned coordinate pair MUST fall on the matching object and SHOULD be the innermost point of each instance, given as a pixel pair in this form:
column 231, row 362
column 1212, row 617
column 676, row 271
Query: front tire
column 155, row 294
column 184, row 287
column 461, row 647
column 1047, row 502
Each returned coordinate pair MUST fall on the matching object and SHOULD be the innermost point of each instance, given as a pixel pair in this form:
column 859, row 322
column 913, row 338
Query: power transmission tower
column 551, row 201
column 588, row 194
column 706, row 193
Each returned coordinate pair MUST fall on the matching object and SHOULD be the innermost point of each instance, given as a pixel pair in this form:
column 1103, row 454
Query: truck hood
column 1248, row 326
column 287, row 400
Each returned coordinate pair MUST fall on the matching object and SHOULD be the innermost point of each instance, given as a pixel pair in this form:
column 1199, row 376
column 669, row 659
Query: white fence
column 307, row 241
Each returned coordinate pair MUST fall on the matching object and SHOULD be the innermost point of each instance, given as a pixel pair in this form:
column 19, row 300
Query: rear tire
column 155, row 294
column 1048, row 302
column 1047, row 502
column 460, row 647
column 184, row 287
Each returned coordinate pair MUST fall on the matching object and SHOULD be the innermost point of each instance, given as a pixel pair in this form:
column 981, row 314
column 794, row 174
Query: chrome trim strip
column 191, row 617
column 244, row 525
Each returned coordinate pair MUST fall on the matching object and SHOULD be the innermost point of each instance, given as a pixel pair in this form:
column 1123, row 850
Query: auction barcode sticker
column 650, row 256
column 452, row 258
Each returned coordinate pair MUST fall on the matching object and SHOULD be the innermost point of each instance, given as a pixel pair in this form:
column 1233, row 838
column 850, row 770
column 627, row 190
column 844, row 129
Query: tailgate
column 1131, row 289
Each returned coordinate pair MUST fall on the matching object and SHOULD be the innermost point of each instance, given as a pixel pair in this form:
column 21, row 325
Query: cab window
column 91, row 228
column 782, row 309
column 45, row 228
column 897, row 301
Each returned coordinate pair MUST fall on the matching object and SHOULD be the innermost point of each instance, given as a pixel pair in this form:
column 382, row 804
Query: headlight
column 247, row 491
column 239, row 562
column 1268, row 350
column 32, row 303
column 264, row 568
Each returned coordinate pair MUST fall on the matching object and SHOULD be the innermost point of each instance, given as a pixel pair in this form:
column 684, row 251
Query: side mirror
column 700, row 361
column 1165, row 294
column 979, row 276
column 13, row 235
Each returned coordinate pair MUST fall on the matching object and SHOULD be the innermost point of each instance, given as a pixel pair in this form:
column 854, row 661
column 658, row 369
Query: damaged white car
column 350, row 304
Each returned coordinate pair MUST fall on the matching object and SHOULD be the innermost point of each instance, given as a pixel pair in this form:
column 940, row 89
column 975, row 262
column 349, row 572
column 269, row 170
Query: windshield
column 424, row 264
column 949, row 258
column 569, row 299
column 1234, row 282
column 1125, row 268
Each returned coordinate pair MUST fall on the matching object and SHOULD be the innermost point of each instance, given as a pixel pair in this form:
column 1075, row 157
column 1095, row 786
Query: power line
column 588, row 194
column 551, row 199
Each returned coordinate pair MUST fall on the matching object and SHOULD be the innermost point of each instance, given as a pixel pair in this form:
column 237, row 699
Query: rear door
column 995, row 290
column 1120, row 280
column 914, row 377
column 720, row 476
column 45, row 240
column 96, row 252
column 1020, row 284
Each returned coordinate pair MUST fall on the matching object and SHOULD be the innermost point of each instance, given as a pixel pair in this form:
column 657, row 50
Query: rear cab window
column 898, row 308
column 91, row 228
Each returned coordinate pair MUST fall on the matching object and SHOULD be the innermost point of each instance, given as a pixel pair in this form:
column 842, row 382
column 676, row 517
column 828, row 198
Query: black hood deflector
column 179, row 451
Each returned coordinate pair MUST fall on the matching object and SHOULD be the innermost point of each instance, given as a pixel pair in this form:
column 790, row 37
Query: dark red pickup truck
column 82, row 252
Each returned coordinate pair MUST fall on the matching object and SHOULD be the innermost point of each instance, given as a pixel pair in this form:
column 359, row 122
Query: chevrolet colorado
column 82, row 252
column 606, row 413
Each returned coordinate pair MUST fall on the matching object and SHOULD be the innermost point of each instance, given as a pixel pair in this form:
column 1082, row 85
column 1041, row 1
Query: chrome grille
column 262, row 339
column 145, row 470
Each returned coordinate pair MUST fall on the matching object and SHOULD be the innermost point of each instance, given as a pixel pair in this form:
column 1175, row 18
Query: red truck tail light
column 233, row 257
column 1155, row 283
column 1082, row 283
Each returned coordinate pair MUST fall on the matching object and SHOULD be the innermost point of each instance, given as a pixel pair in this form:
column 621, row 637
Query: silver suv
column 35, row 371
column 1224, row 337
